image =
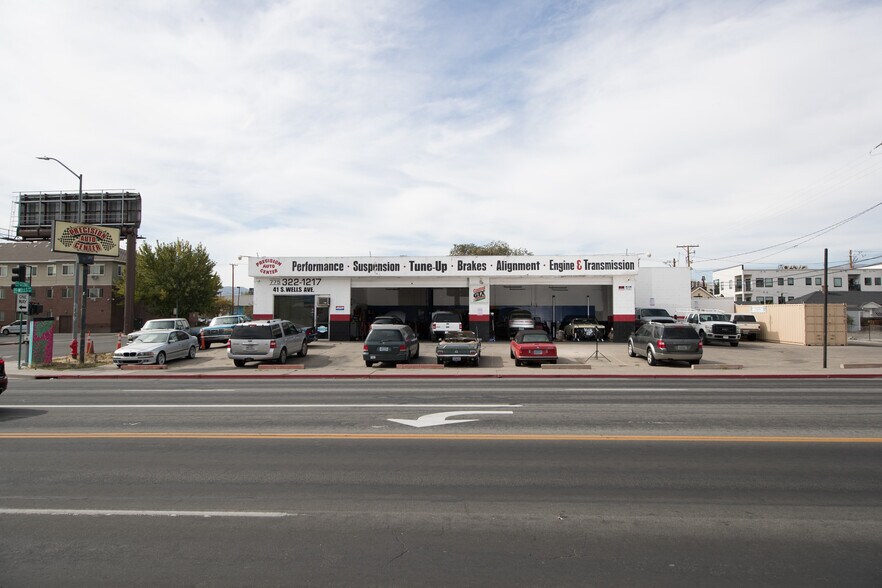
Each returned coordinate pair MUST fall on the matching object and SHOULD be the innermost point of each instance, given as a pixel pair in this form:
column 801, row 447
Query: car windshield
column 520, row 314
column 536, row 338
column 153, row 338
column 714, row 317
column 386, row 320
column 463, row 337
column 158, row 324
column 654, row 312
column 745, row 318
column 252, row 332
column 584, row 321
column 223, row 320
column 384, row 335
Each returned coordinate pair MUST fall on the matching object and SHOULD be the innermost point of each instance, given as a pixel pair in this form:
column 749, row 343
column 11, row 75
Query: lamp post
column 76, row 273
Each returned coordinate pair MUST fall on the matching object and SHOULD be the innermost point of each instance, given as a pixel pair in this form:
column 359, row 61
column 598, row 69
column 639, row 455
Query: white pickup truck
column 444, row 322
column 714, row 325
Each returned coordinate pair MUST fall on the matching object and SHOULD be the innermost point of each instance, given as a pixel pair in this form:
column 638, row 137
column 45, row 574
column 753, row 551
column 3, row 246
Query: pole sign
column 21, row 303
column 22, row 288
column 85, row 239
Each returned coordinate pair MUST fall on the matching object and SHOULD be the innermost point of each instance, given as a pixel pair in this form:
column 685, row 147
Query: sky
column 352, row 128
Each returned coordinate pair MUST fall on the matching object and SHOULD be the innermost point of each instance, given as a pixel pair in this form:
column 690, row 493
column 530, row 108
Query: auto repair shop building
column 342, row 295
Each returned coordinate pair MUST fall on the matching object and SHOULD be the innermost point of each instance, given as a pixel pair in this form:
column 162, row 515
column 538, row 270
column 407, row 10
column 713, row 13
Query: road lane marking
column 440, row 418
column 240, row 406
column 444, row 437
column 143, row 513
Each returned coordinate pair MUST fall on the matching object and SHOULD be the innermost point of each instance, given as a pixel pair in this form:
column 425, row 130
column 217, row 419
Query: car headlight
column 145, row 354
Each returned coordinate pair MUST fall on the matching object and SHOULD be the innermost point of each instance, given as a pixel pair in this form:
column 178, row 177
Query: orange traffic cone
column 90, row 346
column 119, row 341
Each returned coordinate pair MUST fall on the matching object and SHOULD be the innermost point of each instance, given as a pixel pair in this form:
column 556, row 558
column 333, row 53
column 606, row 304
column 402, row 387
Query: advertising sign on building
column 87, row 239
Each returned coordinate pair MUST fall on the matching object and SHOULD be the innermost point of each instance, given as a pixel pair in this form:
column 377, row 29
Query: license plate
column 456, row 358
column 537, row 352
column 682, row 348
column 382, row 349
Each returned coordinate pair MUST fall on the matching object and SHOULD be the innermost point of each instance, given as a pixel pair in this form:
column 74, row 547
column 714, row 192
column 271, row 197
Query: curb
column 393, row 376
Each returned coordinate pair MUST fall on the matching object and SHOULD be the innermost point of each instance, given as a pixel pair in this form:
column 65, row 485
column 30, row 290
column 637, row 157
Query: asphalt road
column 574, row 483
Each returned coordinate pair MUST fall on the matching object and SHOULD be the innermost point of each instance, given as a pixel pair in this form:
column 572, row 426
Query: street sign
column 21, row 304
column 22, row 288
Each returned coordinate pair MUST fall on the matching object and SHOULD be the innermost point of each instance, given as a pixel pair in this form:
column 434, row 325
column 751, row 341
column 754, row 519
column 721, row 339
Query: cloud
column 342, row 128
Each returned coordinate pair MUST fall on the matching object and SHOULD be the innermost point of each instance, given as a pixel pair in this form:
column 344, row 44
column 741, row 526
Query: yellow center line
column 446, row 437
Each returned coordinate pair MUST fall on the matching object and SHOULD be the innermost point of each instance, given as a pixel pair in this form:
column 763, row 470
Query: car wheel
column 553, row 361
column 369, row 363
column 303, row 350
column 650, row 357
column 733, row 343
column 631, row 349
column 192, row 353
column 160, row 359
column 5, row 331
column 703, row 337
column 283, row 355
column 206, row 345
column 517, row 362
column 511, row 353
column 417, row 352
column 694, row 361
column 239, row 362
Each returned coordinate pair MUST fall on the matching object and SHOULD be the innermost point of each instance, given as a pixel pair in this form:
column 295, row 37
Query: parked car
column 666, row 342
column 459, row 347
column 392, row 343
column 4, row 379
column 714, row 325
column 519, row 320
column 387, row 319
column 584, row 328
column 532, row 346
column 161, row 325
column 747, row 325
column 651, row 315
column 157, row 347
column 220, row 328
column 266, row 340
column 311, row 332
column 444, row 322
column 15, row 327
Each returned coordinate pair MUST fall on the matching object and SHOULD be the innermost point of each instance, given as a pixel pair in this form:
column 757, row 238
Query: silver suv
column 269, row 340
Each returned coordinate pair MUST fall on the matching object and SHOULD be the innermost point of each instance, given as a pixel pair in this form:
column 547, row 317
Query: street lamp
column 76, row 272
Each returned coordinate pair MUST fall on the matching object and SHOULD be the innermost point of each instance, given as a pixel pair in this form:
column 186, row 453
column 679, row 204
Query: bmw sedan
column 157, row 347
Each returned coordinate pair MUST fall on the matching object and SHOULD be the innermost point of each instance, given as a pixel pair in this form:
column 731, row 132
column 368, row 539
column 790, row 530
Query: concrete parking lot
column 577, row 359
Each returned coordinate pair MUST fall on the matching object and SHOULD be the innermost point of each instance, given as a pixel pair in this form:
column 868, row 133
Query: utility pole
column 688, row 249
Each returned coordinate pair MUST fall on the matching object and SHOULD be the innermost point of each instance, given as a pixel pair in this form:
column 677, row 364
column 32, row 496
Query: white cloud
column 335, row 128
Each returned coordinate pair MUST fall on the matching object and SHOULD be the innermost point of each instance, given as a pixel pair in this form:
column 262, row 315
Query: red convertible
column 533, row 346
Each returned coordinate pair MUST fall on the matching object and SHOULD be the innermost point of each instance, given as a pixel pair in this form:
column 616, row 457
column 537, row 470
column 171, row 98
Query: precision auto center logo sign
column 88, row 239
column 268, row 266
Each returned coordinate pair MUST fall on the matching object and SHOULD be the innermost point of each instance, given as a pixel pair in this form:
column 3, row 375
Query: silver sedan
column 157, row 347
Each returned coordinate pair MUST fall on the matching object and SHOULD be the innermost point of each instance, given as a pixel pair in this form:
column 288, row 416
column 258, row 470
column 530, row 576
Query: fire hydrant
column 73, row 348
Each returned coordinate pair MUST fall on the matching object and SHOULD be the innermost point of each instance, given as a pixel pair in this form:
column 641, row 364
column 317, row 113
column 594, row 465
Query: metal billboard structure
column 38, row 211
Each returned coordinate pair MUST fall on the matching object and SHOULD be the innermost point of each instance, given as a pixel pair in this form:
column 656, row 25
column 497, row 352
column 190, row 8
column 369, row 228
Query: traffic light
column 19, row 274
column 35, row 308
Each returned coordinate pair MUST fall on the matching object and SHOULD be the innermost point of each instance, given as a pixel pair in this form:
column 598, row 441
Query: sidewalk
column 577, row 360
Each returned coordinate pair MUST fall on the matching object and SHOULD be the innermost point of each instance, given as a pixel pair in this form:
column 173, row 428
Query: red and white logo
column 268, row 266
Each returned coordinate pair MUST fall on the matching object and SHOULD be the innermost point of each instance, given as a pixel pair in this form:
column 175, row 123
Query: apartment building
column 52, row 278
column 787, row 282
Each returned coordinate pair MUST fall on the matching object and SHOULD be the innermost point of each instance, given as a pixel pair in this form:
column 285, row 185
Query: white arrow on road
column 440, row 418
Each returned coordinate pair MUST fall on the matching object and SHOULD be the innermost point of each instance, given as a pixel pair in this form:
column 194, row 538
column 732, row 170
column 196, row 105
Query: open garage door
column 414, row 305
column 549, row 305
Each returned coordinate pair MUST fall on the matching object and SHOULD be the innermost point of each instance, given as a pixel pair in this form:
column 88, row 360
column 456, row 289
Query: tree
column 175, row 276
column 491, row 248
